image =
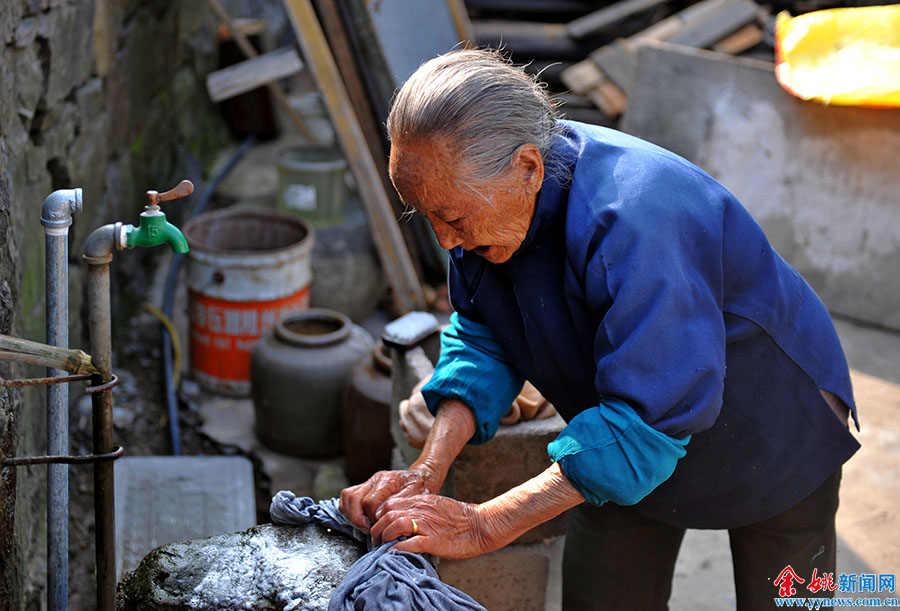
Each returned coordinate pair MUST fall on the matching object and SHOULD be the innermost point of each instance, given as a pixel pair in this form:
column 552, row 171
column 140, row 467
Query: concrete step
column 162, row 499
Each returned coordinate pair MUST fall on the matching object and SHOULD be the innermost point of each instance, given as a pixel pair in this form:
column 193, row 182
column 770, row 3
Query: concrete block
column 515, row 578
column 517, row 453
column 407, row 368
column 822, row 181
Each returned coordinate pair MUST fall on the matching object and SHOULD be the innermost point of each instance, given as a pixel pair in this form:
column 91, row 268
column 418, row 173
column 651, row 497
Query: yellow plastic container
column 843, row 56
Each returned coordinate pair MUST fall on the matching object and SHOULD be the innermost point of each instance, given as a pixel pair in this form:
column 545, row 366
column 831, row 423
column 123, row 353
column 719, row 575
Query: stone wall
column 109, row 96
column 7, row 476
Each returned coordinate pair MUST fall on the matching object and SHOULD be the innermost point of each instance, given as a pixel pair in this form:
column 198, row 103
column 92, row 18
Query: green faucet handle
column 183, row 189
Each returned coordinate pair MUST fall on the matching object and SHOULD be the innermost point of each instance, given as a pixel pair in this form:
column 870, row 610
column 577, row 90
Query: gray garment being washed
column 383, row 579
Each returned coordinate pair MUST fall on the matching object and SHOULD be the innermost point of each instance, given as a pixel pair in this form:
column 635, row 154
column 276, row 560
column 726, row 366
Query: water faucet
column 153, row 228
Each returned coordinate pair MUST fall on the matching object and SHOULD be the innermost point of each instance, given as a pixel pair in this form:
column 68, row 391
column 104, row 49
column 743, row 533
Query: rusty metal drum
column 247, row 268
column 299, row 372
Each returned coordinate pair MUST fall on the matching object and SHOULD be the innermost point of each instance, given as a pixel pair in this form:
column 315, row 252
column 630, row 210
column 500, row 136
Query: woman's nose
column 446, row 235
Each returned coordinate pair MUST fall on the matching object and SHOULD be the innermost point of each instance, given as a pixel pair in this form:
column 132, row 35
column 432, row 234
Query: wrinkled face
column 491, row 220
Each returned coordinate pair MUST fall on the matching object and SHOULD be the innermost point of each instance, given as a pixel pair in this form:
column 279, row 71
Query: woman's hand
column 361, row 503
column 453, row 427
column 435, row 525
column 415, row 419
column 452, row 529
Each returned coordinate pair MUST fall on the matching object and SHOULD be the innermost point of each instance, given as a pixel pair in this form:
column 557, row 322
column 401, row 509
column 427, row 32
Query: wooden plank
column 672, row 25
column 586, row 78
column 403, row 33
column 700, row 24
column 705, row 30
column 614, row 59
column 248, row 26
column 252, row 73
column 609, row 98
column 336, row 35
column 595, row 22
column 618, row 61
column 583, row 77
column 395, row 260
column 581, row 108
column 529, row 39
column 745, row 38
column 247, row 48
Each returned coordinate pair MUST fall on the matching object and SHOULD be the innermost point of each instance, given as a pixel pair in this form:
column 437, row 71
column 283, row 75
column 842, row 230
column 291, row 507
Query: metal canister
column 299, row 374
column 247, row 268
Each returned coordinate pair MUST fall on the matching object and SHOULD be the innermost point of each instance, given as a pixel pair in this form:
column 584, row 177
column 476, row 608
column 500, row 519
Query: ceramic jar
column 299, row 372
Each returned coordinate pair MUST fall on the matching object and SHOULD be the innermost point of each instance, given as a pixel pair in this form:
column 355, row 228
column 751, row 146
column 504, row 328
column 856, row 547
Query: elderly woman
column 701, row 379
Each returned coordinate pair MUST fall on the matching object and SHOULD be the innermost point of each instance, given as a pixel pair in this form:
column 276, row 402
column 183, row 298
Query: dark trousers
column 616, row 559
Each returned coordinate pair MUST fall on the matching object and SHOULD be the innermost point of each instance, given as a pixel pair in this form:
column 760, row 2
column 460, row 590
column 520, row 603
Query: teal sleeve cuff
column 609, row 454
column 474, row 369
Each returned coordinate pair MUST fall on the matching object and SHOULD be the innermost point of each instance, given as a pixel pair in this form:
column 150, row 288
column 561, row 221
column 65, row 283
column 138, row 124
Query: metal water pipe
column 56, row 217
column 153, row 230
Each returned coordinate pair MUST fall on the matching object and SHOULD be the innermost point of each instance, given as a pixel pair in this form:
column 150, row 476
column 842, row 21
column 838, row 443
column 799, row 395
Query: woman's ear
column 529, row 168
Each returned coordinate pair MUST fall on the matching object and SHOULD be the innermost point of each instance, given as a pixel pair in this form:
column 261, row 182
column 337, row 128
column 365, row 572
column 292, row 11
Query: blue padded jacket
column 645, row 299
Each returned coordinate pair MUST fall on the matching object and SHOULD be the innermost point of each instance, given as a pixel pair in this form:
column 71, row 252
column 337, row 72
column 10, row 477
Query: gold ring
column 415, row 530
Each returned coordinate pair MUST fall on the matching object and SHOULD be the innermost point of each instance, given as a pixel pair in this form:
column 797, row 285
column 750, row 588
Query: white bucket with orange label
column 247, row 267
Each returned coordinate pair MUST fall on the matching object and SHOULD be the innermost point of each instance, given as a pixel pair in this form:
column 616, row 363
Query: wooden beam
column 461, row 22
column 252, row 73
column 609, row 98
column 344, row 57
column 529, row 39
column 395, row 260
column 703, row 30
column 595, row 22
